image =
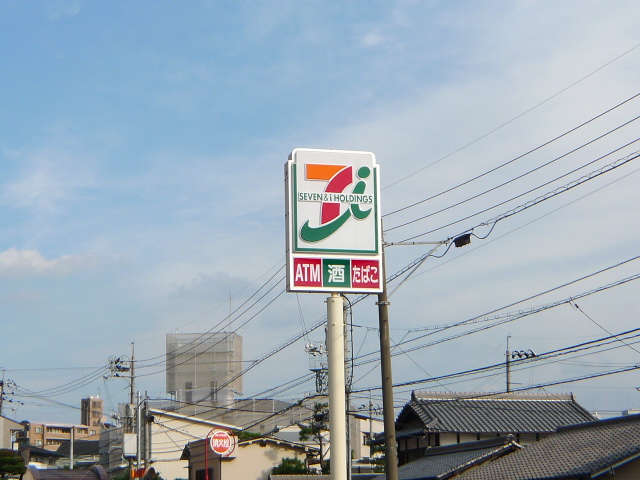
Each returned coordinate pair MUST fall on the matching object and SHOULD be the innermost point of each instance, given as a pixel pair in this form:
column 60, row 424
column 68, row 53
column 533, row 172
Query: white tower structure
column 204, row 369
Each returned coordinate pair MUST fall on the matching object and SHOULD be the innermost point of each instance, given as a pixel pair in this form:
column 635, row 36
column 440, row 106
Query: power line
column 516, row 117
column 321, row 322
column 558, row 191
column 211, row 332
column 499, row 321
column 515, row 159
column 554, row 353
column 550, row 162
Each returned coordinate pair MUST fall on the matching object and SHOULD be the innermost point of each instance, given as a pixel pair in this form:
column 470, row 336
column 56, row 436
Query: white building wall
column 198, row 364
column 7, row 426
column 170, row 433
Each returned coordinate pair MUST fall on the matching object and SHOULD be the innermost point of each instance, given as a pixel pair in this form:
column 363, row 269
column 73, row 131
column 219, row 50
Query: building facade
column 9, row 431
column 92, row 411
column 203, row 369
column 51, row 435
column 434, row 419
column 251, row 459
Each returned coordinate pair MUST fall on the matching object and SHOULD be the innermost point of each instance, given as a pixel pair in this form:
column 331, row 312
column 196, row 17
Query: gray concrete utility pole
column 337, row 391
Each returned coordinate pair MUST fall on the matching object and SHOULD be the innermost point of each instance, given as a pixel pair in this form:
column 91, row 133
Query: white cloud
column 63, row 8
column 20, row 263
column 371, row 39
column 48, row 177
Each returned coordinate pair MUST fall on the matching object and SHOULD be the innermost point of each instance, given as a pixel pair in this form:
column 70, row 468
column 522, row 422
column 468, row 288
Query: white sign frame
column 333, row 217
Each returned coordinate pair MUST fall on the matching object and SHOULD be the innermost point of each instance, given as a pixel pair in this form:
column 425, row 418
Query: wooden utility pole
column 388, row 413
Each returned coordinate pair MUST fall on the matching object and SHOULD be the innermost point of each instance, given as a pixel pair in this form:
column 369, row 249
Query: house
column 39, row 457
column 164, row 433
column 438, row 419
column 271, row 417
column 355, row 476
column 167, row 434
column 94, row 473
column 594, row 450
column 441, row 463
column 85, row 453
column 9, row 430
column 250, row 460
column 362, row 429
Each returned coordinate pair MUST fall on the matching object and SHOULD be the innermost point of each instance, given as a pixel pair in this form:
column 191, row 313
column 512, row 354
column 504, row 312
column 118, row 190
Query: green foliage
column 379, row 461
column 11, row 463
column 244, row 436
column 290, row 466
column 318, row 423
column 316, row 428
column 125, row 475
column 380, row 464
column 326, row 467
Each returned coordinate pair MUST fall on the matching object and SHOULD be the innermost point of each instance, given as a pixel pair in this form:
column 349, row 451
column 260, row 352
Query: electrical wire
column 520, row 157
column 498, row 366
column 558, row 191
column 511, row 318
column 213, row 330
column 539, row 167
column 516, row 117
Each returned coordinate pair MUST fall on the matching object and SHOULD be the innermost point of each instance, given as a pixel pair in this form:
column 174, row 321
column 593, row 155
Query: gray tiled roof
column 355, row 476
column 573, row 452
column 503, row 413
column 443, row 462
column 80, row 447
column 94, row 473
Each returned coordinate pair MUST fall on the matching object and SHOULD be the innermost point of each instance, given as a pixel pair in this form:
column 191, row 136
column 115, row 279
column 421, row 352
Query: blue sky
column 142, row 147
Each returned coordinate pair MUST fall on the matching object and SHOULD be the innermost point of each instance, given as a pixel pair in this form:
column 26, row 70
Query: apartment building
column 51, row 435
column 92, row 411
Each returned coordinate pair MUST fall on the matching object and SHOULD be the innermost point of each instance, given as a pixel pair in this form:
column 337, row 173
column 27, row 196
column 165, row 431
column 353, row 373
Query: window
column 39, row 429
column 58, row 430
column 188, row 386
column 93, row 432
column 213, row 394
column 200, row 474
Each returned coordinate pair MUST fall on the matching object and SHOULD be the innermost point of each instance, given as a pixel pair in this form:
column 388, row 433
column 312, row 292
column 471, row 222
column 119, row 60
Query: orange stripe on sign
column 316, row 171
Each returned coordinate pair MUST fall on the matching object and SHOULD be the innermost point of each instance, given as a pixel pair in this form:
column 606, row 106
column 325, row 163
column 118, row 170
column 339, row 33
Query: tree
column 244, row 435
column 11, row 463
column 290, row 466
column 316, row 428
column 380, row 460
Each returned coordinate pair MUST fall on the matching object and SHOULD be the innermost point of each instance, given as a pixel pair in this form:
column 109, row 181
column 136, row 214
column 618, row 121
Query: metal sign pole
column 337, row 396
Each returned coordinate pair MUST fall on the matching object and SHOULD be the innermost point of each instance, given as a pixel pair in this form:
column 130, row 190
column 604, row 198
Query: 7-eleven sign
column 333, row 221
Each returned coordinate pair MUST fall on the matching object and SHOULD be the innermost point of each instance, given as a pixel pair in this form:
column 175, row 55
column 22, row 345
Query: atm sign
column 343, row 274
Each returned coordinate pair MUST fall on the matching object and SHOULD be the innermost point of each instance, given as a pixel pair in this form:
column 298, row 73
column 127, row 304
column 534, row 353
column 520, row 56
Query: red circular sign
column 223, row 442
